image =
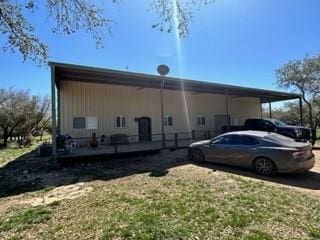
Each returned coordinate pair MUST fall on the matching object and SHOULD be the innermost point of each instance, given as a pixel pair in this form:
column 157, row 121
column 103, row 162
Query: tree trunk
column 5, row 137
column 314, row 135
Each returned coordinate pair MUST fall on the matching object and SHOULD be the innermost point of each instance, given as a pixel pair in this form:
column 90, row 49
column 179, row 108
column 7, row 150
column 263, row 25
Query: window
column 85, row 123
column 277, row 122
column 246, row 140
column 225, row 140
column 168, row 121
column 79, row 123
column 201, row 120
column 120, row 121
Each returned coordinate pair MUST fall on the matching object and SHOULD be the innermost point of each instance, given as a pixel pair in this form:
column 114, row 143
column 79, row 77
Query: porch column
column 261, row 110
column 53, row 113
column 58, row 111
column 270, row 110
column 301, row 111
column 227, row 108
column 162, row 122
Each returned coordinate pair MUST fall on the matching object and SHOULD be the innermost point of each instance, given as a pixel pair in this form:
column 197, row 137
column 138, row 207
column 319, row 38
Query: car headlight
column 298, row 132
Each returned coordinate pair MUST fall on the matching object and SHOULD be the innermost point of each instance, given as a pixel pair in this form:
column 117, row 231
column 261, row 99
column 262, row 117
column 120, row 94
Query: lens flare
column 180, row 63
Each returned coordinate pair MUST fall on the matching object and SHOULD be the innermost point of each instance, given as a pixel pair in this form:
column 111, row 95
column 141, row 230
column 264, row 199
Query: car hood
column 293, row 127
column 200, row 143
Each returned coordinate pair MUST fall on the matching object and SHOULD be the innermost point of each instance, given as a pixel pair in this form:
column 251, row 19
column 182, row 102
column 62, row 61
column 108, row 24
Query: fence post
column 206, row 135
column 115, row 148
column 193, row 134
column 176, row 140
column 164, row 141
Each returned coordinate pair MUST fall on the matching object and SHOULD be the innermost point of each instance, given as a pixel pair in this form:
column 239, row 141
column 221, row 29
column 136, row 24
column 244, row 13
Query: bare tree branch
column 19, row 33
column 177, row 14
column 70, row 16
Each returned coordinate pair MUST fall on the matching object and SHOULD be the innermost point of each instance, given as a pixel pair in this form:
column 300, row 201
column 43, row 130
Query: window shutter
column 123, row 122
column 91, row 123
column 118, row 122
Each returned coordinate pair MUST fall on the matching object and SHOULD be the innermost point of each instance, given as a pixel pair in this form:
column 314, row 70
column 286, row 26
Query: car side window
column 224, row 140
column 246, row 140
column 269, row 126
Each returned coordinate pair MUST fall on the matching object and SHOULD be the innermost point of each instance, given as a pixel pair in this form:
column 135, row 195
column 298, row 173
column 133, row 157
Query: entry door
column 221, row 120
column 144, row 129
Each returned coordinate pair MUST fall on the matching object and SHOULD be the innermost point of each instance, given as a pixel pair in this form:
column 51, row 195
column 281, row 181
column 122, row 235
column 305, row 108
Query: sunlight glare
column 180, row 63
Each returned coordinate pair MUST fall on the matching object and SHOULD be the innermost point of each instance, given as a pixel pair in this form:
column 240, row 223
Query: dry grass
column 13, row 151
column 185, row 202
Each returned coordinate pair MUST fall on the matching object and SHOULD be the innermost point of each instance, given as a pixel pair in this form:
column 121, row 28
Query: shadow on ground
column 29, row 173
column 309, row 180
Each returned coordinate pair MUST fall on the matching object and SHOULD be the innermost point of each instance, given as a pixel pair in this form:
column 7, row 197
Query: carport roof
column 63, row 71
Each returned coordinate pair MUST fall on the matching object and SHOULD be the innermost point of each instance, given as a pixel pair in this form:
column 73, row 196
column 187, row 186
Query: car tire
column 265, row 167
column 198, row 156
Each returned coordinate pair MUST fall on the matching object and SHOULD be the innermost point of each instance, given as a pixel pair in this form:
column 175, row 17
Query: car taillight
column 298, row 154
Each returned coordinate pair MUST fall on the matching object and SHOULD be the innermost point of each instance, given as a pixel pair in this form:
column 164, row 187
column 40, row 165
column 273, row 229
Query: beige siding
column 243, row 108
column 80, row 99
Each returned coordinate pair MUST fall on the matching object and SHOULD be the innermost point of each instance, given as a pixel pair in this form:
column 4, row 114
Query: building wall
column 105, row 101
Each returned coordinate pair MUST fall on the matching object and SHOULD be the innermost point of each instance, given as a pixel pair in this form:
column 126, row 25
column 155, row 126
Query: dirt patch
column 317, row 165
column 60, row 193
column 44, row 198
column 308, row 182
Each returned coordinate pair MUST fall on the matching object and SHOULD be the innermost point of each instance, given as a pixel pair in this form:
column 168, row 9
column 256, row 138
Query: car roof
column 260, row 134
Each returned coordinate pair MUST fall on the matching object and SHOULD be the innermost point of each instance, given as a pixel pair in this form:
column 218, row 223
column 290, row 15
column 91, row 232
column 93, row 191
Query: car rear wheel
column 198, row 156
column 265, row 167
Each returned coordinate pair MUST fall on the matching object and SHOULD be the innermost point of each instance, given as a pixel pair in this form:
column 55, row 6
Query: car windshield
column 277, row 122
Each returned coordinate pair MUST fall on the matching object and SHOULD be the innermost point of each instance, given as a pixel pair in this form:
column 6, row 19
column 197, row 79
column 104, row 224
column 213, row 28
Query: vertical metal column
column 270, row 110
column 58, row 111
column 301, row 111
column 261, row 110
column 227, row 108
column 53, row 113
column 162, row 123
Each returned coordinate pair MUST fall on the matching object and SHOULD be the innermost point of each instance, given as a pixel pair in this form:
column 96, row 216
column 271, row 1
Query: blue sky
column 238, row 42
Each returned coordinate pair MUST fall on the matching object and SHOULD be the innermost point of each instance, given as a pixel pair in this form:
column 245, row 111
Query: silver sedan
column 266, row 153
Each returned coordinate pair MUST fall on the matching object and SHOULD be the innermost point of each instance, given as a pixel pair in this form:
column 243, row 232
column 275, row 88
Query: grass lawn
column 13, row 151
column 187, row 202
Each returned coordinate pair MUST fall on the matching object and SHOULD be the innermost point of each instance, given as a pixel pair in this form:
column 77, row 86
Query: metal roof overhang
column 107, row 76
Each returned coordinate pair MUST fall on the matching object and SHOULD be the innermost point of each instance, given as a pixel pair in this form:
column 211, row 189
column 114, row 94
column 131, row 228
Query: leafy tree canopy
column 69, row 16
column 304, row 76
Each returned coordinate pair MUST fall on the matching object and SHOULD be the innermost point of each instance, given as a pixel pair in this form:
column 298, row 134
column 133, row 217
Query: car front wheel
column 265, row 167
column 197, row 156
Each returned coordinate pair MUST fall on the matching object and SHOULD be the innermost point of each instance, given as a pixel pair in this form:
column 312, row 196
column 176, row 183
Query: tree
column 304, row 76
column 288, row 113
column 22, row 114
column 69, row 16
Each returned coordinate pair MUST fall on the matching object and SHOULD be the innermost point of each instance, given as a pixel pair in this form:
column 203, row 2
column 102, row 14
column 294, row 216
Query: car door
column 243, row 149
column 264, row 125
column 220, row 149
